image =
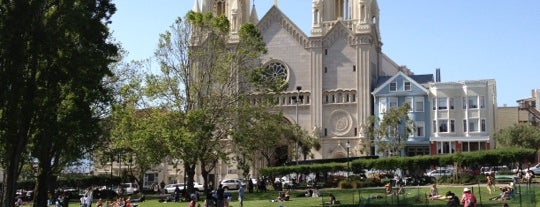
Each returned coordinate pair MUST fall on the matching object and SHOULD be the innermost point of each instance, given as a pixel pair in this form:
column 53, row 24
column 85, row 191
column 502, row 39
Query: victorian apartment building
column 448, row 117
column 338, row 76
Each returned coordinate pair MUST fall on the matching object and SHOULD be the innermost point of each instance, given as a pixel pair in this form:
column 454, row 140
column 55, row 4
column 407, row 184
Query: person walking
column 468, row 199
column 489, row 182
column 220, row 196
column 241, row 195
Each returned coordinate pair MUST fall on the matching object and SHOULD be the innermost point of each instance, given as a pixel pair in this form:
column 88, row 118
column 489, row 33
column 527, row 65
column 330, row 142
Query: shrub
column 344, row 184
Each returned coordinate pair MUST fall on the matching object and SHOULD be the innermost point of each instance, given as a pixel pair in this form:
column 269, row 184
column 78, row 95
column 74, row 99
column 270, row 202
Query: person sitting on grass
column 282, row 196
column 332, row 199
column 507, row 192
column 453, row 200
column 434, row 193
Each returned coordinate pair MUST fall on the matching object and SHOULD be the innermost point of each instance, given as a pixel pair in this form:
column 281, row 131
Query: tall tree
column 204, row 80
column 393, row 130
column 53, row 57
column 134, row 127
column 519, row 135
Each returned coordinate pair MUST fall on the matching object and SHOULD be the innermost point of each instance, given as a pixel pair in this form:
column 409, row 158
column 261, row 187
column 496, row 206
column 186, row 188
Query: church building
column 330, row 72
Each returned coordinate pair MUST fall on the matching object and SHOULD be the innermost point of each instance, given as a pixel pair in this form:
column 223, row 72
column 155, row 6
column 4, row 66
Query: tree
column 393, row 130
column 53, row 58
column 135, row 128
column 519, row 135
column 204, row 80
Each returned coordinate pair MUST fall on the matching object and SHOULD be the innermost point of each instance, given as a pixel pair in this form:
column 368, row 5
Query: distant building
column 463, row 116
column 399, row 89
column 531, row 107
column 510, row 115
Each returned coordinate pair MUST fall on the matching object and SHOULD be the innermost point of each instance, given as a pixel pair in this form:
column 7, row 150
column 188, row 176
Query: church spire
column 206, row 6
column 361, row 16
column 254, row 18
column 196, row 6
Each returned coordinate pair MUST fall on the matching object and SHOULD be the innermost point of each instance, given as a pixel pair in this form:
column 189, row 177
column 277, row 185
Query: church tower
column 346, row 61
column 237, row 11
column 360, row 16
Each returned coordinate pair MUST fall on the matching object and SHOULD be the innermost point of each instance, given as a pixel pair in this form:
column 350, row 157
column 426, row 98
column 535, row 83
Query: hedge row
column 472, row 160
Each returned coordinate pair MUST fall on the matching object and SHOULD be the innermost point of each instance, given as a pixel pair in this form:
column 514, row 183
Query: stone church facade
column 334, row 69
column 330, row 72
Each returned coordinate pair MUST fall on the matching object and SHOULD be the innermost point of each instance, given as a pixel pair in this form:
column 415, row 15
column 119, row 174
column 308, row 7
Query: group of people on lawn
column 467, row 199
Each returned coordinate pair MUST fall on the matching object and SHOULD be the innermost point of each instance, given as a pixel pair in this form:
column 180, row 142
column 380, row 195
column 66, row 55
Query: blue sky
column 467, row 40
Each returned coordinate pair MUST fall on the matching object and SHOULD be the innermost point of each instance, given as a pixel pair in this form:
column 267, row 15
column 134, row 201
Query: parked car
column 170, row 188
column 534, row 169
column 439, row 173
column 128, row 188
column 231, row 184
column 493, row 169
column 199, row 187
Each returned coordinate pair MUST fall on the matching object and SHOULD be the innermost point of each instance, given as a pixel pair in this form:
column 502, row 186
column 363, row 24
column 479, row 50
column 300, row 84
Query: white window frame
column 409, row 100
column 382, row 105
column 393, row 102
column 420, row 128
column 442, row 124
column 473, row 125
column 393, row 87
column 407, row 86
column 482, row 102
column 442, row 103
column 483, row 125
column 472, row 101
column 419, row 104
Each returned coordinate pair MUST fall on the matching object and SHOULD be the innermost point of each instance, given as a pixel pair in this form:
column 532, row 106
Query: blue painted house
column 394, row 91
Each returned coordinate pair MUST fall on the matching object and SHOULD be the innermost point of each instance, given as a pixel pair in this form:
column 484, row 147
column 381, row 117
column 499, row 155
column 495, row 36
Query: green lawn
column 414, row 196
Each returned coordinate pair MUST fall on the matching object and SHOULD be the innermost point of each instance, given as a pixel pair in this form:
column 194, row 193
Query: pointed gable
column 274, row 15
column 254, row 17
column 383, row 86
column 338, row 31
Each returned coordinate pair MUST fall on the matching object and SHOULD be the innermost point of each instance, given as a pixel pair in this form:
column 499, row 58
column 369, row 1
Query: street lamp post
column 297, row 99
column 348, row 146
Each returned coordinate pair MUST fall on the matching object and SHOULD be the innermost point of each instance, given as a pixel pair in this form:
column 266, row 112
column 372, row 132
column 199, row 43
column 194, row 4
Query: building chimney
column 438, row 75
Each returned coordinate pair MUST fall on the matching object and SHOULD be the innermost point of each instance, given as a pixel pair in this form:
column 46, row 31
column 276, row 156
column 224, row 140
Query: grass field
column 414, row 196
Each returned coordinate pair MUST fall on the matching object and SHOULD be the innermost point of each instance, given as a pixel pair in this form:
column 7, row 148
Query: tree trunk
column 10, row 180
column 190, row 172
column 42, row 184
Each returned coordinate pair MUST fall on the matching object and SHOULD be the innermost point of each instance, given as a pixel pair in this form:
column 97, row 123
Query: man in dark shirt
column 220, row 195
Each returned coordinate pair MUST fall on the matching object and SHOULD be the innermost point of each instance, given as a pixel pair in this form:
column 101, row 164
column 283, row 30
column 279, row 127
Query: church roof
column 417, row 80
column 275, row 15
column 420, row 79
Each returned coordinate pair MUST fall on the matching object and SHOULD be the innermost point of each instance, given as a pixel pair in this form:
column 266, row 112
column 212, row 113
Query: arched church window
column 220, row 7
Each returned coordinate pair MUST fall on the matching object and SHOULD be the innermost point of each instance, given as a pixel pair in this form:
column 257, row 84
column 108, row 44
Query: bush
column 344, row 184
column 370, row 182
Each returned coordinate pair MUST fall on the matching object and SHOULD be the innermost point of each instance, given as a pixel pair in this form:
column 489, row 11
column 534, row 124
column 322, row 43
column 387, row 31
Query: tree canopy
column 519, row 135
column 53, row 58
